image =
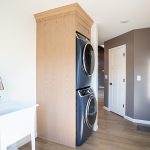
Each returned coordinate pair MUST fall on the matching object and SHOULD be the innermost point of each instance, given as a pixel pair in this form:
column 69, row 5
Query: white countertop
column 17, row 120
column 9, row 107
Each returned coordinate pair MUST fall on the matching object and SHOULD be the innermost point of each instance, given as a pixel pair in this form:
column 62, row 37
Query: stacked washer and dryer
column 86, row 105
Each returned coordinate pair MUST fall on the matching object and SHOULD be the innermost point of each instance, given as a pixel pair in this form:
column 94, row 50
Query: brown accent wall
column 127, row 39
column 138, row 63
column 100, row 66
column 142, row 68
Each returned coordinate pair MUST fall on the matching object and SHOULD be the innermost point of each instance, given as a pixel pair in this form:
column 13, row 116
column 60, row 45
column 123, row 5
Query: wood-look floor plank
column 114, row 133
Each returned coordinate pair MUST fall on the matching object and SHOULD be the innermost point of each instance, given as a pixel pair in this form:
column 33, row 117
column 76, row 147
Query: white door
column 117, row 79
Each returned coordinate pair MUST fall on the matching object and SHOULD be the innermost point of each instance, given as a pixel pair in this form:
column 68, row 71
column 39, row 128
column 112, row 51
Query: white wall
column 18, row 49
column 17, row 52
column 94, row 41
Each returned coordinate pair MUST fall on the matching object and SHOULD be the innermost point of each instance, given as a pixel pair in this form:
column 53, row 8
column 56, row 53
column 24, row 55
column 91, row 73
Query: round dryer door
column 91, row 112
column 88, row 59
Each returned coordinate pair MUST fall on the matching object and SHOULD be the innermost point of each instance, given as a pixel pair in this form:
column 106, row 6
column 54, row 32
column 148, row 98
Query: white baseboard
column 95, row 128
column 131, row 119
column 106, row 108
column 24, row 141
column 137, row 120
column 20, row 143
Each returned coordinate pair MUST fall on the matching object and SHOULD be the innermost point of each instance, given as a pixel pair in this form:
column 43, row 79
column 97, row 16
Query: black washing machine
column 85, row 61
column 85, row 114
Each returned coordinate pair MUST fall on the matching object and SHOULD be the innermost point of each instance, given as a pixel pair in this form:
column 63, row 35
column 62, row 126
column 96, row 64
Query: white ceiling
column 107, row 13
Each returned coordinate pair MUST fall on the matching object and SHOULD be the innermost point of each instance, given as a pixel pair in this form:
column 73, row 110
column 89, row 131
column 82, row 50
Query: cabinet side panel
column 56, row 80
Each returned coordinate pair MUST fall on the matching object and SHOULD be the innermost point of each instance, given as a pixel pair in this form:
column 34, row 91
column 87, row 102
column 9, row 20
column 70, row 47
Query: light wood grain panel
column 56, row 80
column 56, row 71
column 61, row 11
column 83, row 27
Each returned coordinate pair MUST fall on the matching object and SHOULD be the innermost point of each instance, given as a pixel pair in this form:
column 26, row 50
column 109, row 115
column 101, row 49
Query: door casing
column 122, row 47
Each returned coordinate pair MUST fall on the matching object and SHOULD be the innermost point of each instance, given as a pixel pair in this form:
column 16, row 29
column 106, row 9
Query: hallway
column 114, row 133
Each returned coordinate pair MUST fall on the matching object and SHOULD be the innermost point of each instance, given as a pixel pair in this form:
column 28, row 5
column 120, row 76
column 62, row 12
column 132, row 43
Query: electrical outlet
column 138, row 78
column 106, row 77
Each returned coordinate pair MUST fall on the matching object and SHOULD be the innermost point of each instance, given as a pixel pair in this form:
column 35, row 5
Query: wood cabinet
column 56, row 71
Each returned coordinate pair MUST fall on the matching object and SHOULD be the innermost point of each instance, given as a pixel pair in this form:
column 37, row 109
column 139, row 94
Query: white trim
column 95, row 128
column 131, row 119
column 101, row 87
column 24, row 141
column 137, row 120
column 106, row 108
column 20, row 143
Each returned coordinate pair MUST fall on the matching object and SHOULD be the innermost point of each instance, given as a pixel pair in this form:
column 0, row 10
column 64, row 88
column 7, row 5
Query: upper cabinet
column 82, row 22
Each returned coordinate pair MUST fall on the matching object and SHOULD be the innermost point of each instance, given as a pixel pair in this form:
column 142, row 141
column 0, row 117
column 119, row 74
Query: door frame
column 109, row 99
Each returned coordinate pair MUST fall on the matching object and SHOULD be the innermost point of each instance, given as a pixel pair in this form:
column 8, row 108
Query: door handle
column 110, row 83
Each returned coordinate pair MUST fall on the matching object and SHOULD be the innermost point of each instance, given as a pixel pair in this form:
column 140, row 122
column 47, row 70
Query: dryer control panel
column 86, row 91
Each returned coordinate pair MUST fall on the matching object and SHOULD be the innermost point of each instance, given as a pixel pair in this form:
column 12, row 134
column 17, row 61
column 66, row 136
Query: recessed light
column 124, row 21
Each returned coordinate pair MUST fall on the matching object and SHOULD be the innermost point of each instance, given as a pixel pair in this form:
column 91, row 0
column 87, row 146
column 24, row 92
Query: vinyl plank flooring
column 114, row 133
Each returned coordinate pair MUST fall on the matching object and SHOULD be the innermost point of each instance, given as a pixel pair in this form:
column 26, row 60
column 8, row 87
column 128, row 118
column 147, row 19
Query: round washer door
column 88, row 59
column 91, row 112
